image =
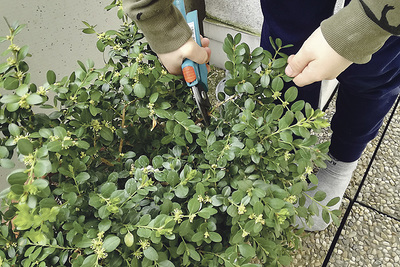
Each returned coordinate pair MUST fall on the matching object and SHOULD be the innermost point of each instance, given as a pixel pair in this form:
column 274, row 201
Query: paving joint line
column 376, row 210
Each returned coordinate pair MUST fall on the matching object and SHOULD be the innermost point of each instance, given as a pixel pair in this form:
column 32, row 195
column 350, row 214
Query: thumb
column 194, row 52
column 297, row 63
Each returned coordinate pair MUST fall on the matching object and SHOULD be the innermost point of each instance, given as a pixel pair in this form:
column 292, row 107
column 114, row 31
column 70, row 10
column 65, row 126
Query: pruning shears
column 195, row 74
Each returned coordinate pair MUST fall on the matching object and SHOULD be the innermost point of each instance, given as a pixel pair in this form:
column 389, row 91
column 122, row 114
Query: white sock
column 333, row 181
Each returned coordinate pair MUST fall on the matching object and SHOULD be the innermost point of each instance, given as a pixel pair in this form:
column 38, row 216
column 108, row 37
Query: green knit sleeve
column 361, row 28
column 162, row 24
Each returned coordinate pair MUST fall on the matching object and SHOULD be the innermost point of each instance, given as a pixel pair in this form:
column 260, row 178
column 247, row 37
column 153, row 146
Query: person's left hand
column 315, row 61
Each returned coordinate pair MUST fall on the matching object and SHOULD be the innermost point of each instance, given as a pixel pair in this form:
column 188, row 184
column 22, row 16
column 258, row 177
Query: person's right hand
column 191, row 50
column 315, row 61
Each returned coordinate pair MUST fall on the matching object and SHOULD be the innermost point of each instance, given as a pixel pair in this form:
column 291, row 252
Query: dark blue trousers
column 366, row 92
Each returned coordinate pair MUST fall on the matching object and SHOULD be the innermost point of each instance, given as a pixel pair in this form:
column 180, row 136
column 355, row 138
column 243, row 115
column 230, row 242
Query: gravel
column 368, row 239
column 382, row 188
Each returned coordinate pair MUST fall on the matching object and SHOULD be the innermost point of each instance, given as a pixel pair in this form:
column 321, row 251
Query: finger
column 297, row 63
column 171, row 62
column 194, row 52
column 306, row 77
column 205, row 42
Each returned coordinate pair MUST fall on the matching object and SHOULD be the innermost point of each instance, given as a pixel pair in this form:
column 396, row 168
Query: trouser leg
column 366, row 94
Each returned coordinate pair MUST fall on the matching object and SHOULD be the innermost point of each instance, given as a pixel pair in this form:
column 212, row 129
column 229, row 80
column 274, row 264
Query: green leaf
column 181, row 191
column 180, row 116
column 277, row 84
column 8, row 99
column 313, row 179
column 279, row 63
column 107, row 134
column 285, row 260
column 277, row 112
column 17, row 178
column 25, row 146
column 130, row 186
column 193, row 205
column 100, row 46
column 42, row 167
column 313, row 208
column 7, row 163
column 249, row 104
column 194, row 129
column 143, row 112
column 319, row 196
column 4, row 67
column 257, row 52
column 129, row 239
column 150, row 253
column 54, row 146
column 41, row 183
column 51, row 77
column 335, row 219
column 88, row 31
column 153, row 98
column 104, row 225
column 215, row 237
column 239, row 127
column 309, row 110
column 4, row 152
column 111, row 242
column 166, row 263
column 60, row 132
column 139, row 90
column 248, row 88
column 276, row 203
column 34, row 99
column 206, row 213
column 325, row 216
column 291, row 94
column 189, row 137
column 14, row 129
column 11, row 83
column 22, row 53
column 45, row 133
column 333, row 201
column 298, row 105
column 83, row 144
column 90, row 261
column 82, row 177
column 247, row 251
column 145, row 233
column 237, row 39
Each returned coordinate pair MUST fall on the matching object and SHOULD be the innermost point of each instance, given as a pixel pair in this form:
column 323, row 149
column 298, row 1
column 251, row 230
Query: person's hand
column 191, row 50
column 315, row 61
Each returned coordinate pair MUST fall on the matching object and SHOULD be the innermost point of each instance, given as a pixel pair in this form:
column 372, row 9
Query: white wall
column 54, row 36
column 231, row 16
column 245, row 15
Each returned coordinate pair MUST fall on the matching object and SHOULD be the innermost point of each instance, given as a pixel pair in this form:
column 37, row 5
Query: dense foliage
column 120, row 171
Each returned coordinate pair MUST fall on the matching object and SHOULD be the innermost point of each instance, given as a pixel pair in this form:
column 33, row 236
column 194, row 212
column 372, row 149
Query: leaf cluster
column 119, row 169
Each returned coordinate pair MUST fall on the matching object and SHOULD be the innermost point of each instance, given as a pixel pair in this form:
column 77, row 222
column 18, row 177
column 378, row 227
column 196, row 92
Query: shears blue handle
column 194, row 74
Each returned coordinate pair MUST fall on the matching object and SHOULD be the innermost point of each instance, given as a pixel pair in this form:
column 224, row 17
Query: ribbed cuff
column 165, row 30
column 352, row 34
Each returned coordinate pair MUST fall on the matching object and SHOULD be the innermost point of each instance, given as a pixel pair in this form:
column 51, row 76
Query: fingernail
column 289, row 71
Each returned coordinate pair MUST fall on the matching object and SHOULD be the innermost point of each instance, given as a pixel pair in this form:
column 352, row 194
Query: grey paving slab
column 365, row 159
column 369, row 239
column 382, row 187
